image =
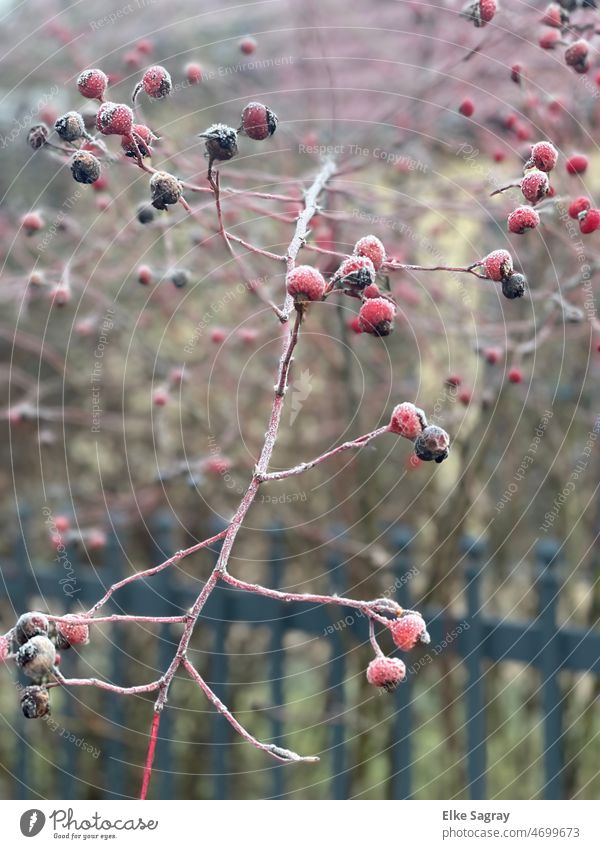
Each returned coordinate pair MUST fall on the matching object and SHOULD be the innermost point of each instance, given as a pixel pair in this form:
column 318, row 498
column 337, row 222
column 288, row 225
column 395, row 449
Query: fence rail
column 538, row 643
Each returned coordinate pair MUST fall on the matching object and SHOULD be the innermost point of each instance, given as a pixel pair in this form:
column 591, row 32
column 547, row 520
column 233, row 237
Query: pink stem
column 345, row 446
column 148, row 573
column 372, row 609
column 283, row 755
column 150, row 755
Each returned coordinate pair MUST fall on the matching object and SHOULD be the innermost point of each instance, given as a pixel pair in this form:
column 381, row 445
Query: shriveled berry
column 220, row 141
column 513, row 286
column 577, row 164
column 589, row 221
column 72, row 631
column 258, row 121
column 523, row 218
column 377, row 316
column 114, row 119
column 70, row 127
column 356, row 271
column 165, row 190
column 515, row 73
column 85, row 168
column 497, row 265
column 32, row 624
column 535, row 185
column 371, row 247
column 408, row 631
column 386, row 673
column 37, row 136
column 408, row 420
column 579, row 205
column 36, row 657
column 544, row 156
column 35, row 702
column 305, row 283
column 92, row 83
column 432, row 444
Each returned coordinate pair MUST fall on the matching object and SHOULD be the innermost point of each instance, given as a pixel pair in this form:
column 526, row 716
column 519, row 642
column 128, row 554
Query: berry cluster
column 498, row 266
column 430, row 441
column 582, row 211
column 408, row 631
column 33, row 644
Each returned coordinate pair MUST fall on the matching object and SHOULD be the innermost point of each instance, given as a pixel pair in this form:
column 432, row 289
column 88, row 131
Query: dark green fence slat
column 475, row 695
column 548, row 583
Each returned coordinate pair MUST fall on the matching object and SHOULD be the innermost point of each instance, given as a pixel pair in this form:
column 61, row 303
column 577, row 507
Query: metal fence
column 538, row 643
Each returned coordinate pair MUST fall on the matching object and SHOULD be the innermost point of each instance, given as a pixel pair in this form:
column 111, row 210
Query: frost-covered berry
column 85, row 168
column 35, row 702
column 408, row 631
column 467, row 107
column 377, row 316
column 544, row 156
column 72, row 631
column 92, row 83
column 513, row 286
column 497, row 265
column 220, row 141
column 193, row 73
column 140, row 141
column 579, row 205
column 553, row 16
column 32, row 222
column 386, row 673
column 37, row 136
column 523, row 218
column 589, row 221
column 408, row 420
column 535, row 185
column 577, row 56
column 157, row 82
column 37, row 657
column 577, row 164
column 371, row 247
column 4, row 648
column 357, row 271
column 70, row 127
column 32, row 624
column 165, row 190
column 258, row 121
column 306, row 283
column 479, row 12
column 432, row 444
column 248, row 45
column 372, row 291
column 114, row 119
column 549, row 40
